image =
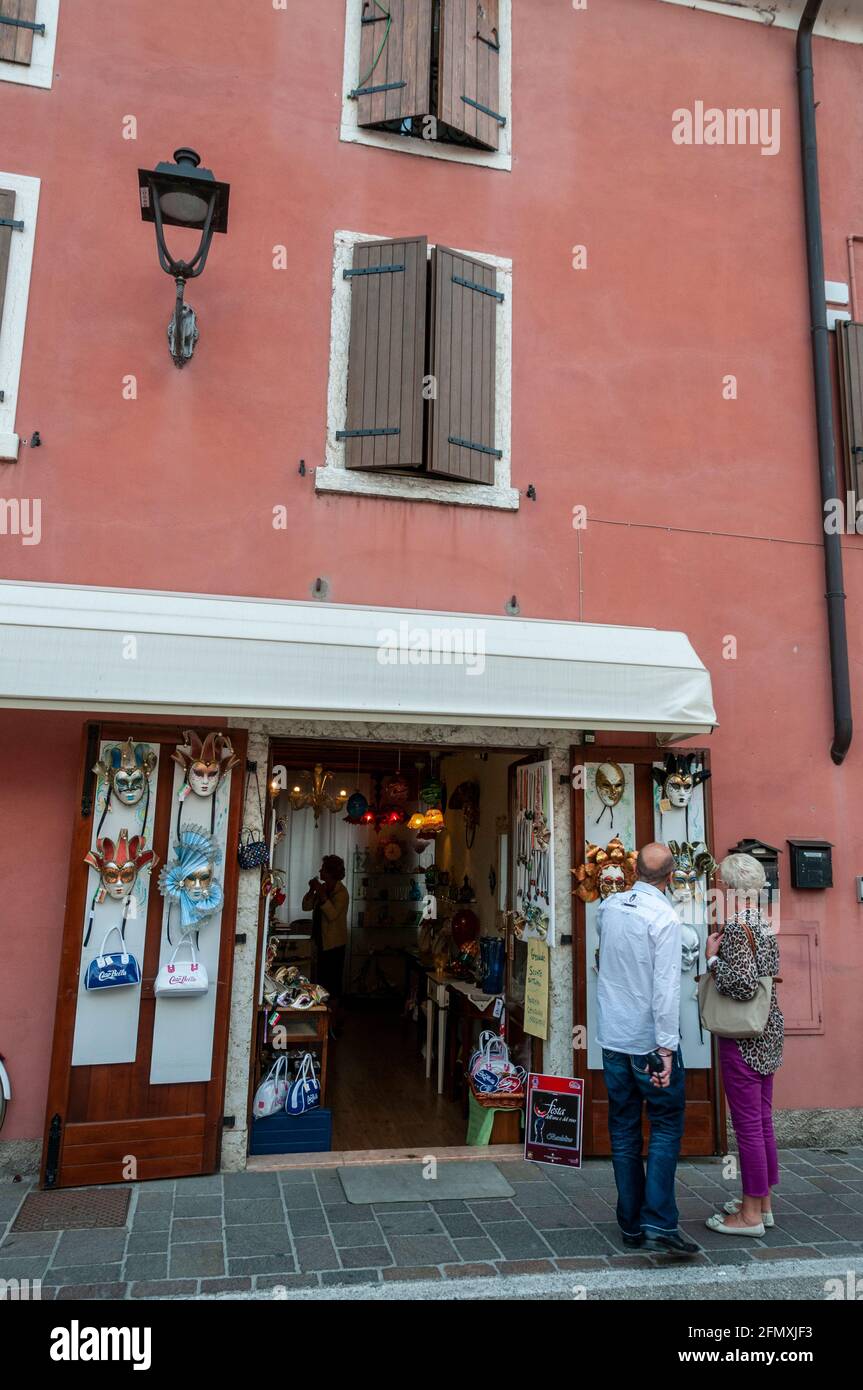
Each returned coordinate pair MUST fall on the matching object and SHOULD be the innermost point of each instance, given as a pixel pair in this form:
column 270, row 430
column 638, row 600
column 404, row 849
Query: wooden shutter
column 395, row 64
column 849, row 339
column 386, row 361
column 469, row 70
column 7, row 211
column 16, row 45
column 464, row 345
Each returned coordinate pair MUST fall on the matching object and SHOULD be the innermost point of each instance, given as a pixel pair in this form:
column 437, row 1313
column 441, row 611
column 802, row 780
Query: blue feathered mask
column 190, row 878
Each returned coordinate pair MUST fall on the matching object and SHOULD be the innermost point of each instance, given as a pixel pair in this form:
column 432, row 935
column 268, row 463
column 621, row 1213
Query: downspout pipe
column 838, row 632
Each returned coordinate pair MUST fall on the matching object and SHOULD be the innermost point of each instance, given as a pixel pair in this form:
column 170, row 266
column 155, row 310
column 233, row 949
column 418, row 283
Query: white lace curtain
column 304, row 845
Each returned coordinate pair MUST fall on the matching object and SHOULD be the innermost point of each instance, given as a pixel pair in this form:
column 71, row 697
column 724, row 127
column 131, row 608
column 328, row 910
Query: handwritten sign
column 536, row 990
column 552, row 1132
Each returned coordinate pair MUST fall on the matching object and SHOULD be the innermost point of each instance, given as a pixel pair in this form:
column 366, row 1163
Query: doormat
column 404, row 1182
column 73, row 1211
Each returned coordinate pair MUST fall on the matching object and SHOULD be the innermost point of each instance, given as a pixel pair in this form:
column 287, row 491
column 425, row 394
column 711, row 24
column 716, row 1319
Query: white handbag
column 492, row 1055
column 184, row 977
column 272, row 1093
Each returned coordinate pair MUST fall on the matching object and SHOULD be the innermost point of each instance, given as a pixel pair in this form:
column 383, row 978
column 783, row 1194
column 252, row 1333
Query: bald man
column 638, row 1010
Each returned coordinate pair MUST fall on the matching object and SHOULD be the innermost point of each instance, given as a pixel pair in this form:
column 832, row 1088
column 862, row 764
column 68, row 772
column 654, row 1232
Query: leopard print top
column 736, row 975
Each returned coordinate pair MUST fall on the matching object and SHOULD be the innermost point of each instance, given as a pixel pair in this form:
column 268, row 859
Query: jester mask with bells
column 679, row 778
column 605, row 871
column 118, row 865
column 204, row 764
column 190, row 879
column 691, row 861
column 126, row 768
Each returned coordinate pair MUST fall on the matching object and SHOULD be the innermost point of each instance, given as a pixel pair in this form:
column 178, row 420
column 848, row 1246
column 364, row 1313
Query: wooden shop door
column 637, row 821
column 107, row 1121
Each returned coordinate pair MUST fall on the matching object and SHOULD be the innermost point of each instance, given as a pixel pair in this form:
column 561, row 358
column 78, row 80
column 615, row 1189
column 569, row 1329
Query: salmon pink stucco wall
column 703, row 511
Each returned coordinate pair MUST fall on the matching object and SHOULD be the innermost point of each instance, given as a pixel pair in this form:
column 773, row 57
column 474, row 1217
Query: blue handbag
column 114, row 969
column 304, row 1093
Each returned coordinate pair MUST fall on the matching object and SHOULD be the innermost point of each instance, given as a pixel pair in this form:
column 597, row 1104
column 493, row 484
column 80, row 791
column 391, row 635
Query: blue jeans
column 645, row 1201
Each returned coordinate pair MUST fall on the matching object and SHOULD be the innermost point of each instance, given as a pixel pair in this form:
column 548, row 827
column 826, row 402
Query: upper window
column 19, row 199
column 28, row 33
column 432, row 76
column 420, row 371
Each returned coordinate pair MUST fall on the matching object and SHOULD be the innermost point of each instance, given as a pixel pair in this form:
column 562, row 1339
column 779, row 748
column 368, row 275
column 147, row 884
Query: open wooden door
column 637, row 819
column 137, row 1082
column 525, row 1050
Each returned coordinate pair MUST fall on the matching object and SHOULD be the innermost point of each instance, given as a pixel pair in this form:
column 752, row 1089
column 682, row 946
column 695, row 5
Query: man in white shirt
column 638, row 1012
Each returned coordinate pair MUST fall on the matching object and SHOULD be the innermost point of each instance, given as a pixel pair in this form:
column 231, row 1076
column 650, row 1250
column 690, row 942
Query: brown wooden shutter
column 465, row 304
column 849, row 339
column 386, row 362
column 16, row 45
column 397, row 85
column 7, row 211
column 469, row 70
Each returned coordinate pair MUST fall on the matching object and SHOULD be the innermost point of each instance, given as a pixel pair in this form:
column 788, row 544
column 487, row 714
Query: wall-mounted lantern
column 183, row 194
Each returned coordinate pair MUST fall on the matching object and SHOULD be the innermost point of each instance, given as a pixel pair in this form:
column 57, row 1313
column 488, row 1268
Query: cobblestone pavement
column 241, row 1233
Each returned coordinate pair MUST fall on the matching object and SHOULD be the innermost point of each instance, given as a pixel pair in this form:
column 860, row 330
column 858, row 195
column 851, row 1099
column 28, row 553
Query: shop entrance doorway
column 420, row 841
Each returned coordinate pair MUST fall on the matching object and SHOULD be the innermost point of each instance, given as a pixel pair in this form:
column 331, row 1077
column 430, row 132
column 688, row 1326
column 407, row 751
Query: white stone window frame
column 14, row 322
column 39, row 72
column 335, row 476
column 356, row 134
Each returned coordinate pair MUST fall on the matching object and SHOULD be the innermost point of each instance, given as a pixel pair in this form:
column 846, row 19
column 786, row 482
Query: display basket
column 497, row 1100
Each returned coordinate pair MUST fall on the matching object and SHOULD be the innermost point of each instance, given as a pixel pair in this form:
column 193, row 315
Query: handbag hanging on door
column 252, row 852
column 735, row 1018
column 112, row 970
column 184, row 978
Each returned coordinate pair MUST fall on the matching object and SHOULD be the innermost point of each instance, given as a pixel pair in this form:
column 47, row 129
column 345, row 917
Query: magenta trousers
column 750, row 1100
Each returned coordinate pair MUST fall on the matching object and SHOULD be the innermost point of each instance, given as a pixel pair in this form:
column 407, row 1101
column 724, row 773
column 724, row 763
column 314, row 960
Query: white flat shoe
column 734, row 1206
column 716, row 1223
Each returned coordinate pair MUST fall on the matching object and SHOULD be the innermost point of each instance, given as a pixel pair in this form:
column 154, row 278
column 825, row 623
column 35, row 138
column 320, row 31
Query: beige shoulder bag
column 735, row 1018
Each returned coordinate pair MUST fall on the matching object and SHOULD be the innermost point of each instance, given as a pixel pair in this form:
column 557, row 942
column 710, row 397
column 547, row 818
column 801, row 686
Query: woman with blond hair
column 737, row 955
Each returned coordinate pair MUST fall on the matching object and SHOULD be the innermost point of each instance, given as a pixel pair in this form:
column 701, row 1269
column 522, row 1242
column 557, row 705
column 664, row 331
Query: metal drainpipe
column 838, row 633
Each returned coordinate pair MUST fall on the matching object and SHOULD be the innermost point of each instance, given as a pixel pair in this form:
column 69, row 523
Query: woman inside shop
column 328, row 900
column 738, row 955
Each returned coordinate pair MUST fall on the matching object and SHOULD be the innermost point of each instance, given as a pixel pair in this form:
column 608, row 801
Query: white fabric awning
column 72, row 647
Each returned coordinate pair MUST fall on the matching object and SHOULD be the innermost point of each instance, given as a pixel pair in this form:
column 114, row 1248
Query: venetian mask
column 611, row 880
column 118, row 864
column 190, row 879
column 126, row 768
column 605, row 871
column 610, row 783
column 679, row 778
column 204, row 764
column 690, row 864
column 690, row 947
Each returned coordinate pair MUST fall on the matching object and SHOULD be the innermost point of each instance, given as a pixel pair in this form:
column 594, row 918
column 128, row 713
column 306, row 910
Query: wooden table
column 315, row 1033
column 438, row 988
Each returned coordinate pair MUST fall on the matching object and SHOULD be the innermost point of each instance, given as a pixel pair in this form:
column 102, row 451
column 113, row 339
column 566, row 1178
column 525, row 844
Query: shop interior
column 424, row 836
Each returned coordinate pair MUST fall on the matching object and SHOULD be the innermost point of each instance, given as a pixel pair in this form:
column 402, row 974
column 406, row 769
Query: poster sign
column 536, row 990
column 533, row 853
column 552, row 1132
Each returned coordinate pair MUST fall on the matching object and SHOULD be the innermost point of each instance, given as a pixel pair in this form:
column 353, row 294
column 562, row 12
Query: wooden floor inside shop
column 377, row 1088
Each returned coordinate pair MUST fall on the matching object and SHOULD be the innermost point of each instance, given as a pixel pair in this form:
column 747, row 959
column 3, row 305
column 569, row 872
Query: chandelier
column 319, row 798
